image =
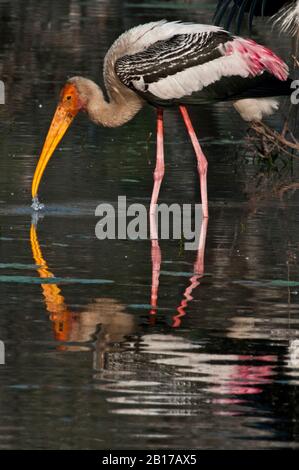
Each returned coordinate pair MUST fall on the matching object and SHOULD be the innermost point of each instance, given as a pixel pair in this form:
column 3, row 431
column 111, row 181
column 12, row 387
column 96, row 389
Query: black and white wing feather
column 176, row 67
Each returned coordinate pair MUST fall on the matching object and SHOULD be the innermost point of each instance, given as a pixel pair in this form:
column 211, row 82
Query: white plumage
column 140, row 37
column 255, row 109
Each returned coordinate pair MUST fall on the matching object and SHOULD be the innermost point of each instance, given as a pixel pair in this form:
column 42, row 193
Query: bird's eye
column 68, row 97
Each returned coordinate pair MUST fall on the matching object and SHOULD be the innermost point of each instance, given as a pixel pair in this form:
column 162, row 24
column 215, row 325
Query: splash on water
column 36, row 205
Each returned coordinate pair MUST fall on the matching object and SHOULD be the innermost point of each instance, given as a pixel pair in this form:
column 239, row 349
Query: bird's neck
column 122, row 106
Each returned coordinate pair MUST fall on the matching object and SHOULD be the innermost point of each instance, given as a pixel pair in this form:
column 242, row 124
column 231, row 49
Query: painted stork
column 171, row 64
column 286, row 13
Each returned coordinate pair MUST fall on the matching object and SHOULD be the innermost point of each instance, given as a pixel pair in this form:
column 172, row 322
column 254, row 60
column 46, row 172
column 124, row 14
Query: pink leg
column 159, row 170
column 202, row 163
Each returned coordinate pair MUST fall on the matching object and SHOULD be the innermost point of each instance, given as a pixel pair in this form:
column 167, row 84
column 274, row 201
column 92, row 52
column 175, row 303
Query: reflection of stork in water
column 70, row 327
column 107, row 321
column 109, row 314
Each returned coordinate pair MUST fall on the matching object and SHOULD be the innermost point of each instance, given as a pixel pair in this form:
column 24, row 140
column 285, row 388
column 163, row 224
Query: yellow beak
column 67, row 109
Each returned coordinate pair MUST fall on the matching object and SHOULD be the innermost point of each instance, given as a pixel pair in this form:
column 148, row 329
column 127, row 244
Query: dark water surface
column 88, row 364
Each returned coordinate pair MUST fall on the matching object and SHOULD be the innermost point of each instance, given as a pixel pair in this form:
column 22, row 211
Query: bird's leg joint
column 159, row 173
column 202, row 165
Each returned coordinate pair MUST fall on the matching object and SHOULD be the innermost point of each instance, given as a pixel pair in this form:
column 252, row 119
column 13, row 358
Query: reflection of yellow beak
column 61, row 317
column 67, row 109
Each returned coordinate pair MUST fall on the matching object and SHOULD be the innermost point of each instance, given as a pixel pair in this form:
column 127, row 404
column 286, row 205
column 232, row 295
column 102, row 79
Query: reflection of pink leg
column 202, row 163
column 195, row 279
column 156, row 265
column 199, row 265
column 159, row 170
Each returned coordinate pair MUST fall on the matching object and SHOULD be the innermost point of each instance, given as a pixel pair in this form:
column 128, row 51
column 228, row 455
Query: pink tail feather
column 258, row 58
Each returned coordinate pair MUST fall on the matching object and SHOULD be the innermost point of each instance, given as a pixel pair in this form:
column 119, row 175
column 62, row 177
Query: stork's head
column 68, row 107
column 74, row 96
column 80, row 93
